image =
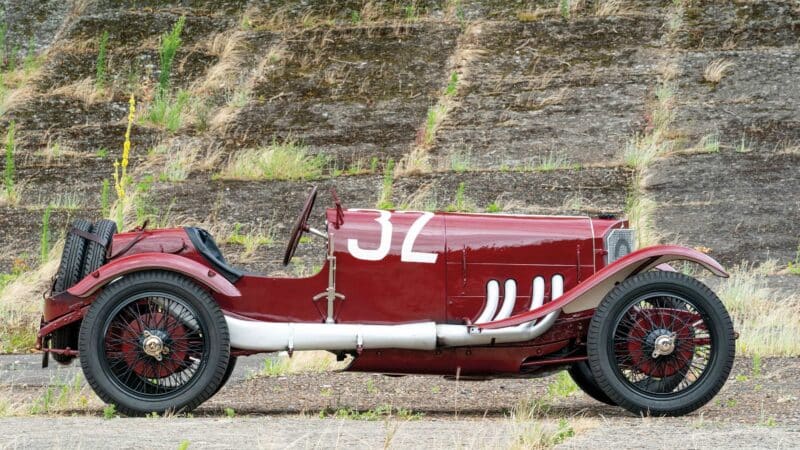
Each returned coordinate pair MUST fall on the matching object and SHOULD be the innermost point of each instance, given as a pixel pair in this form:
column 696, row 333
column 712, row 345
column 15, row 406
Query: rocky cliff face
column 687, row 112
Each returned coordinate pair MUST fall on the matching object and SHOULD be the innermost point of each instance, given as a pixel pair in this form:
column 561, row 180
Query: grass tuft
column 716, row 70
column 280, row 161
column 170, row 42
column 250, row 241
column 10, row 193
column 461, row 203
column 435, row 117
column 387, row 187
column 101, row 63
column 767, row 326
column 168, row 111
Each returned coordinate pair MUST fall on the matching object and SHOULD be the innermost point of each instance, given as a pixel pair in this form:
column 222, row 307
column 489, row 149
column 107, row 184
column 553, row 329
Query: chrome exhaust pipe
column 290, row 336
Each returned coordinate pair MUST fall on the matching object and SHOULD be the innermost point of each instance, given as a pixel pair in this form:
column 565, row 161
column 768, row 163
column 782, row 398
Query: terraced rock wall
column 520, row 107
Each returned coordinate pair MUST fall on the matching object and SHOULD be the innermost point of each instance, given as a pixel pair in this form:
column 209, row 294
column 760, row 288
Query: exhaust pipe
column 279, row 336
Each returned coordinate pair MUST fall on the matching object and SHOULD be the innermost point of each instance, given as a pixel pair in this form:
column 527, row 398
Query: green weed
column 8, row 173
column 562, row 386
column 275, row 367
column 105, row 209
column 110, row 411
column 794, row 266
column 494, row 208
column 250, row 241
column 44, row 239
column 563, row 8
column 61, row 396
column 184, row 445
column 756, row 365
column 553, row 161
column 230, row 413
column 3, row 43
column 167, row 111
column 101, row 64
column 710, row 144
column 460, row 203
column 460, row 161
column 378, row 413
column 280, row 161
column 387, row 188
column 452, row 85
column 411, row 12
column 170, row 42
column 435, row 116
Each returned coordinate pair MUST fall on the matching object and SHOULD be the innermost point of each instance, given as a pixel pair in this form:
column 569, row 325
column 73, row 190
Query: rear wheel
column 582, row 375
column 154, row 341
column 228, row 372
column 661, row 343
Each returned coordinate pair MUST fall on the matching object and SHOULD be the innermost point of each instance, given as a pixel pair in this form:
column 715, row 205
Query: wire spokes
column 178, row 346
column 661, row 344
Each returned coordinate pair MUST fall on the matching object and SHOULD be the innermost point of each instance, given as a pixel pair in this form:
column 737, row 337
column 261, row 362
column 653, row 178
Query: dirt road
column 758, row 408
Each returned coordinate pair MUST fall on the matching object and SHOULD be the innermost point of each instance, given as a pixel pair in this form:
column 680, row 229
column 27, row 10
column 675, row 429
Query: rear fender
column 154, row 261
column 588, row 294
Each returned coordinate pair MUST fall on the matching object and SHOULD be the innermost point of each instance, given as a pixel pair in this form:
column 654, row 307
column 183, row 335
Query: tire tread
column 617, row 295
column 163, row 277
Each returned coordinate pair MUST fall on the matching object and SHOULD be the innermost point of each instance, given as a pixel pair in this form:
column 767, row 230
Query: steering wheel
column 300, row 227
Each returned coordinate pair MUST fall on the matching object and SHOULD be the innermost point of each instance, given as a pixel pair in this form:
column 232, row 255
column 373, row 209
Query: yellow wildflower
column 121, row 179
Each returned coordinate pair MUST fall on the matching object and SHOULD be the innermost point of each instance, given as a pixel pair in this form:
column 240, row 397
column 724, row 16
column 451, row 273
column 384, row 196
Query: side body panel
column 392, row 286
column 481, row 248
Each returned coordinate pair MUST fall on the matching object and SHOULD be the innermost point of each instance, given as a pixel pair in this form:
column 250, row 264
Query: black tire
column 69, row 272
column 63, row 338
column 184, row 317
column 95, row 255
column 581, row 374
column 703, row 352
column 228, row 372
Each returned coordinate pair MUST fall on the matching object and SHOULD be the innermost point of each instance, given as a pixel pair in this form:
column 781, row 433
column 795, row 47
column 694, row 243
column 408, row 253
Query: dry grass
column 532, row 15
column 611, row 8
column 768, row 323
column 640, row 210
column 84, row 90
column 62, row 397
column 533, row 429
column 280, row 161
column 299, row 362
column 251, row 240
column 716, row 70
column 229, row 48
column 21, row 304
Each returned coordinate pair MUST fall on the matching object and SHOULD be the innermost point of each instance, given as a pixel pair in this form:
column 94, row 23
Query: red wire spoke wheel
column 661, row 343
column 154, row 341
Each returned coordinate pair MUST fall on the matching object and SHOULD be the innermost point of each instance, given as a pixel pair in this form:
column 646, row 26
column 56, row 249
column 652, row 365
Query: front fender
column 149, row 261
column 589, row 293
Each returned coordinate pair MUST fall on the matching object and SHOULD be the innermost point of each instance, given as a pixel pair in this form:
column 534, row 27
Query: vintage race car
column 158, row 317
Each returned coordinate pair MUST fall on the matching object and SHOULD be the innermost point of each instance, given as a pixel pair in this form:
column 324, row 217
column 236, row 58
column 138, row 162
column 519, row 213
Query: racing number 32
column 407, row 253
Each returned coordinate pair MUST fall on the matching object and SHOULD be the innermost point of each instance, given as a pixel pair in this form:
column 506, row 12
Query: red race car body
column 478, row 295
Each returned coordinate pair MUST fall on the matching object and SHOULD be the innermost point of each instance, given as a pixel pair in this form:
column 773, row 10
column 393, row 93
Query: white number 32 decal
column 407, row 253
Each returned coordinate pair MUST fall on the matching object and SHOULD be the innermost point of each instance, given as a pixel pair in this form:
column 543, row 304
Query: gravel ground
column 757, row 408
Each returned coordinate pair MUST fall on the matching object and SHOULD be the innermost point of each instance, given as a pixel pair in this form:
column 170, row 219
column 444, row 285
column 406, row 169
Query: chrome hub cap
column 664, row 345
column 153, row 345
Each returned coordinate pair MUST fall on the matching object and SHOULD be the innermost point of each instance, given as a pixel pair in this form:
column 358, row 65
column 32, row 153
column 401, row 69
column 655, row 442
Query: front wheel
column 661, row 343
column 154, row 342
